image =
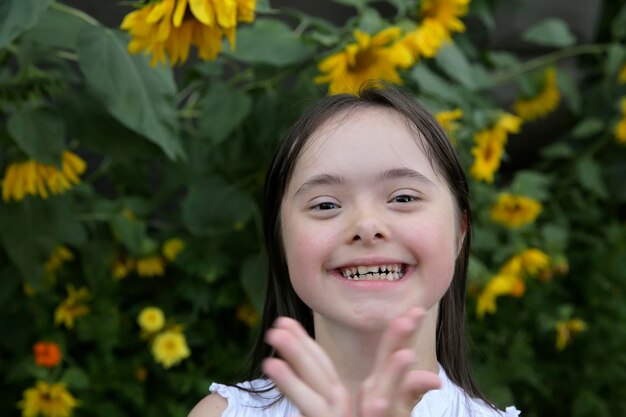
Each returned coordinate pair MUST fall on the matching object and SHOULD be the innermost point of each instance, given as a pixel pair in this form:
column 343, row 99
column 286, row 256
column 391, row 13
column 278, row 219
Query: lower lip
column 373, row 284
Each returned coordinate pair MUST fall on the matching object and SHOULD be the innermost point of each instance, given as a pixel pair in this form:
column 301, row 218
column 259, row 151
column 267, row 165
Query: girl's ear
column 463, row 226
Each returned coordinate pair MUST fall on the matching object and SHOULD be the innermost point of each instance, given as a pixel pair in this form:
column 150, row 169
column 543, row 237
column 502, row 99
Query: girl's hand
column 306, row 375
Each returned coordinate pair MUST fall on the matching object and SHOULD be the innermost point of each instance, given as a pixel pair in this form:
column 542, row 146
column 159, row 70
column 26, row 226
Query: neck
column 353, row 351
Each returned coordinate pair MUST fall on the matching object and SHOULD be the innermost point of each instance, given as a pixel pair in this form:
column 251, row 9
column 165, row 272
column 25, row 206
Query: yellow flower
column 565, row 330
column 370, row 58
column 47, row 401
column 621, row 78
column 501, row 284
column 34, row 178
column 544, row 103
column 531, row 262
column 151, row 266
column 172, row 248
column 72, row 307
column 446, row 13
column 151, row 319
column 247, row 314
column 59, row 256
column 426, row 40
column 489, row 147
column 487, row 152
column 514, row 211
column 122, row 266
column 169, row 348
column 447, row 120
column 170, row 27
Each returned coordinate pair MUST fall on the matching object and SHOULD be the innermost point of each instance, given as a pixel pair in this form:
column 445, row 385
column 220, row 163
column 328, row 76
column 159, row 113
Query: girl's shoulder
column 256, row 398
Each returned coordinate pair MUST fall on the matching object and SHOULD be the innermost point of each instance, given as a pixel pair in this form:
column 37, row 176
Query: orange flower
column 47, row 354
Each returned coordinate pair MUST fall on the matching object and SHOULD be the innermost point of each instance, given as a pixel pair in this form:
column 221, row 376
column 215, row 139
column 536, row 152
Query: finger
column 416, row 384
column 309, row 402
column 398, row 336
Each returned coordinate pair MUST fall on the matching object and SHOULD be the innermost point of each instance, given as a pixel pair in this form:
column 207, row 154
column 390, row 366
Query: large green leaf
column 551, row 32
column 214, row 206
column 223, row 109
column 270, row 42
column 57, row 28
column 454, row 63
column 590, row 177
column 569, row 88
column 17, row 16
column 139, row 96
column 38, row 132
column 532, row 184
column 432, row 84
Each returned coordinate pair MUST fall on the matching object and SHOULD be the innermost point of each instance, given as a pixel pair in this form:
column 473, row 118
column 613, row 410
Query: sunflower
column 620, row 128
column 151, row 319
column 375, row 57
column 47, row 400
column 446, row 13
column 499, row 285
column 58, row 257
column 150, row 266
column 170, row 27
column 515, row 211
column 172, row 248
column 542, row 104
column 621, row 78
column 34, row 178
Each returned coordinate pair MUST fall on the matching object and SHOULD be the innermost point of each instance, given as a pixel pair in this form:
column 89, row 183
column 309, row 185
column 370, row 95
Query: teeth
column 375, row 272
column 363, row 270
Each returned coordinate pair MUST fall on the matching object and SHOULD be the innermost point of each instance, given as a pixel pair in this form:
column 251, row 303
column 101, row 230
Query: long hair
column 282, row 300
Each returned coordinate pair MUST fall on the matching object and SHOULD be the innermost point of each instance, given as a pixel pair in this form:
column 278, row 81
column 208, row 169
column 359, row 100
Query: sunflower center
column 363, row 60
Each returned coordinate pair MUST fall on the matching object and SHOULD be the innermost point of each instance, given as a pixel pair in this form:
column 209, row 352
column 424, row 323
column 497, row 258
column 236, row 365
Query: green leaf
column 588, row 127
column 271, row 42
column 554, row 236
column 357, row 4
column 130, row 232
column 254, row 279
column 213, row 206
column 431, row 83
column 40, row 133
column 502, row 59
column 558, row 150
column 18, row 15
column 618, row 26
column 139, row 96
column 551, row 32
column 590, row 177
column 570, row 91
column 454, row 63
column 57, row 29
column 532, row 184
column 75, row 378
column 614, row 60
column 370, row 21
column 223, row 109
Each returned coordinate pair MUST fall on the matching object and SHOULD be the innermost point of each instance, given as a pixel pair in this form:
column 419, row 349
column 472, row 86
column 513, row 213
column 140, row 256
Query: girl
column 366, row 219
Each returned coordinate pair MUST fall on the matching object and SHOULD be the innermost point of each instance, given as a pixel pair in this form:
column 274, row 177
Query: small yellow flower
column 369, row 58
column 47, row 400
column 169, row 28
column 151, row 319
column 487, row 152
column 620, row 128
column 501, row 284
column 531, row 262
column 426, row 40
column 509, row 123
column 37, row 179
column 169, row 348
column 247, row 314
column 447, row 120
column 565, row 330
column 58, row 257
column 72, row 307
column 122, row 266
column 544, row 103
column 515, row 211
column 172, row 248
column 150, row 266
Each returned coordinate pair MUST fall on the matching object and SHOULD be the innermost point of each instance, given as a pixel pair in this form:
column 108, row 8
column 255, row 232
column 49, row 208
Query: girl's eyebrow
column 327, row 179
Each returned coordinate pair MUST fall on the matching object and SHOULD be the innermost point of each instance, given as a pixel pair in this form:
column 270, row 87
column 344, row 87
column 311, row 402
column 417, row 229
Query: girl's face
column 369, row 228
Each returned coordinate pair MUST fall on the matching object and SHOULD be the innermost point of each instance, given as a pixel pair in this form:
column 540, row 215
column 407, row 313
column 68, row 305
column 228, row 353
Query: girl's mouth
column 390, row 272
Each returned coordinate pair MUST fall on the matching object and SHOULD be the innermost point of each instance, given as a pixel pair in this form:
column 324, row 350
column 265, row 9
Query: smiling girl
column 367, row 224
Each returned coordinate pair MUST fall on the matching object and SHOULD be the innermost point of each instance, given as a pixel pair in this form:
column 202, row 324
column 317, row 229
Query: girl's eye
column 326, row 205
column 405, row 198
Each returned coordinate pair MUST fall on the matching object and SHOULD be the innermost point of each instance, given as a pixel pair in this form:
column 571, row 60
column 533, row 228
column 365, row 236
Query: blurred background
column 134, row 141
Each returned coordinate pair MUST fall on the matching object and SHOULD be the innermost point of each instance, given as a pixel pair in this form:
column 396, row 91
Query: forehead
column 362, row 138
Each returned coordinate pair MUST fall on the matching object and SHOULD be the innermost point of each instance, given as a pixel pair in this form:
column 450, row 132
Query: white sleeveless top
column 448, row 401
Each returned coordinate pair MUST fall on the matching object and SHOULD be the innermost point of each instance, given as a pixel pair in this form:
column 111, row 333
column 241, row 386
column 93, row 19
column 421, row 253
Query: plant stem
column 75, row 12
column 505, row 76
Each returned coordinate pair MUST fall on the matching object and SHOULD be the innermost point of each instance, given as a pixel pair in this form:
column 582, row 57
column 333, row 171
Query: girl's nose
column 369, row 230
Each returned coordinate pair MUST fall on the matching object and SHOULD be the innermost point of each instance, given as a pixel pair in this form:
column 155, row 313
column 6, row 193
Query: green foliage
column 183, row 153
